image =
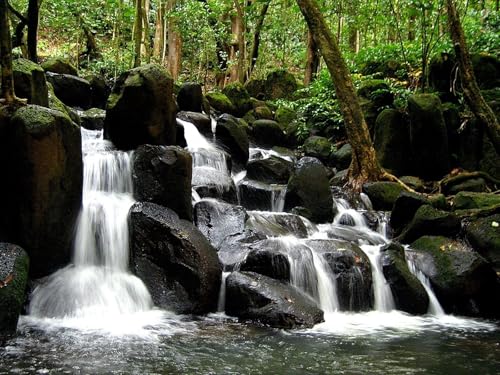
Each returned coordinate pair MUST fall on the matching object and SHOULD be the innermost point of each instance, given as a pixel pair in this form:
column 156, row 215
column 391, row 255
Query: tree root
column 463, row 176
column 386, row 176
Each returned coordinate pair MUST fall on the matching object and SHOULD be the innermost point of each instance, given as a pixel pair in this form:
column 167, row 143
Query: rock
column 309, row 187
column 277, row 224
column 280, row 84
column 42, row 203
column 162, row 175
column 14, row 265
column 56, row 104
column 256, row 195
column 263, row 112
column 382, row 194
column 477, row 185
column 234, row 137
column 29, row 82
column 220, row 102
column 59, row 66
column 466, row 200
column 93, row 119
column 404, row 209
column 392, row 141
column 484, row 236
column 202, row 122
column 318, row 147
column 268, row 133
column 261, row 299
column 440, row 72
column 190, row 97
column 218, row 220
column 173, row 258
column 486, row 70
column 285, row 116
column 463, row 281
column 342, row 157
column 430, row 221
column 72, row 90
column 266, row 258
column 239, row 97
column 99, row 91
column 414, row 182
column 141, row 109
column 490, row 161
column 377, row 91
column 271, row 170
column 428, row 136
column 256, row 88
column 408, row 293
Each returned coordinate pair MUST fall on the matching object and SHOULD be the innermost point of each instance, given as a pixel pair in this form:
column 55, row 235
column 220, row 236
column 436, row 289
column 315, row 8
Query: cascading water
column 98, row 283
column 434, row 305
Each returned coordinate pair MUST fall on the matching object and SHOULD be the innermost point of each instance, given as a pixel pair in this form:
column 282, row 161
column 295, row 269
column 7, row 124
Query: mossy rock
column 342, row 157
column 404, row 209
column 30, row 82
column 318, row 147
column 268, row 133
column 14, row 267
column 413, row 181
column 233, row 136
column 263, row 112
column 256, row 88
column 220, row 102
column 484, row 236
column 463, row 281
column 239, row 97
column 466, row 200
column 93, row 118
column 271, row 170
column 382, row 194
column 60, row 66
column 378, row 91
column 440, row 71
column 56, row 104
column 486, row 70
column 280, row 84
column 285, row 116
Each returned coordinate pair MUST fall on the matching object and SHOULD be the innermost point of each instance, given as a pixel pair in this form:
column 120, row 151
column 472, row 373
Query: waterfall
column 98, row 283
column 434, row 305
column 221, row 303
column 278, row 194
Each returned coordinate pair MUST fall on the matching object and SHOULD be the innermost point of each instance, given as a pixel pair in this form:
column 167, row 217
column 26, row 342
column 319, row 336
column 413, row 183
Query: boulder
column 256, row 88
column 408, row 293
column 93, row 118
column 262, row 112
column 382, row 194
column 430, row 221
column 440, row 70
column 484, row 236
column 176, row 262
column 490, row 160
column 264, row 300
column 392, row 142
column 342, row 157
column 14, row 265
column 464, row 283
column 59, row 66
column 277, row 224
column 404, row 209
column 309, row 187
column 256, row 195
column 266, row 258
column 486, row 70
column 72, row 90
column 285, row 116
column 271, row 170
column 56, row 104
column 220, row 102
column 30, row 82
column 99, row 91
column 428, row 136
column 202, row 122
column 268, row 133
column 280, row 84
column 466, row 200
column 233, row 137
column 190, row 97
column 42, row 203
column 318, row 147
column 239, row 97
column 141, row 109
column 377, row 91
column 162, row 175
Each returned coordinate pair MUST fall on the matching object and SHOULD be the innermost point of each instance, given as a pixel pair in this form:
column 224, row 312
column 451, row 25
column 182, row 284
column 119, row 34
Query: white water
column 434, row 305
column 278, row 194
column 97, row 287
column 221, row 303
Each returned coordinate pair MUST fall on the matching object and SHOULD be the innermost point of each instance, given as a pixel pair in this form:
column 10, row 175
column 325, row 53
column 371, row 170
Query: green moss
column 438, row 247
column 318, row 147
column 285, row 116
column 25, row 66
column 369, row 86
column 36, row 119
column 55, row 103
column 58, row 65
column 220, row 102
column 425, row 102
column 239, row 97
column 465, row 200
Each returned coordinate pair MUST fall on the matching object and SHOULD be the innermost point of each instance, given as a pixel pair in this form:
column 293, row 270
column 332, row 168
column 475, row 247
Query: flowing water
column 94, row 317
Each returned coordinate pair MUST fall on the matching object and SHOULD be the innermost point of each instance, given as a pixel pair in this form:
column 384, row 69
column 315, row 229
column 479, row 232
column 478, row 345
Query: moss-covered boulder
column 263, row 112
column 490, row 160
column 268, row 133
column 56, row 104
column 382, row 194
column 430, row 221
column 233, row 137
column 440, row 72
column 60, row 66
column 72, row 90
column 14, row 266
column 30, row 82
column 271, row 170
column 93, row 118
column 428, row 136
column 342, row 157
column 466, row 200
column 284, row 116
column 141, row 109
column 308, row 187
column 162, row 175
column 261, row 299
column 404, row 209
column 220, row 102
column 41, row 204
column 190, row 97
column 484, row 236
column 256, row 88
column 280, row 84
column 239, row 97
column 99, row 91
column 318, row 147
column 392, row 142
column 378, row 91
column 408, row 292
column 463, row 281
column 486, row 70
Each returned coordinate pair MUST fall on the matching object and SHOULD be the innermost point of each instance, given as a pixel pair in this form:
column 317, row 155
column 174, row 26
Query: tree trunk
column 364, row 166
column 145, row 44
column 237, row 54
column 256, row 37
column 312, row 63
column 174, row 41
column 137, row 33
column 6, row 55
column 159, row 34
column 33, row 17
column 471, row 90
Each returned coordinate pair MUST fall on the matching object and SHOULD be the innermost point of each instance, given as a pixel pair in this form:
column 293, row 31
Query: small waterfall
column 434, row 305
column 98, row 283
column 278, row 194
column 221, row 303
column 347, row 215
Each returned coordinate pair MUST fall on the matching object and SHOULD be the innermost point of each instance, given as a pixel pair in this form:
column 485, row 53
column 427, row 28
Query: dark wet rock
column 56, row 104
column 266, row 258
column 271, row 170
column 465, row 200
column 264, row 300
column 430, row 221
column 484, row 236
column 233, row 137
column 408, row 293
column 404, row 209
column 377, row 91
column 190, row 97
column 40, row 205
column 141, row 109
column 59, row 66
column 14, row 265
column 318, row 147
column 255, row 195
column 315, row 197
column 220, row 102
column 477, row 185
column 275, row 224
column 30, row 82
column 428, row 135
column 99, row 91
column 382, row 194
column 342, row 157
column 93, row 119
column 162, row 175
column 72, row 90
column 268, row 133
column 239, row 97
column 441, row 69
column 202, row 122
column 210, row 183
column 174, row 259
column 486, row 70
column 464, row 283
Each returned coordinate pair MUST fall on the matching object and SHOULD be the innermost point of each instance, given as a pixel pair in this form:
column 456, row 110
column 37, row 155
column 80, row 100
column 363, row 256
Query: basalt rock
column 72, row 90
column 190, row 97
column 233, row 137
column 30, row 82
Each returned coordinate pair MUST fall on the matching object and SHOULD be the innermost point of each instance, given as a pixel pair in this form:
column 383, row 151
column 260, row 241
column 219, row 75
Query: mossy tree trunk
column 174, row 41
column 256, row 37
column 312, row 62
column 470, row 87
column 364, row 166
column 6, row 55
column 138, row 32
